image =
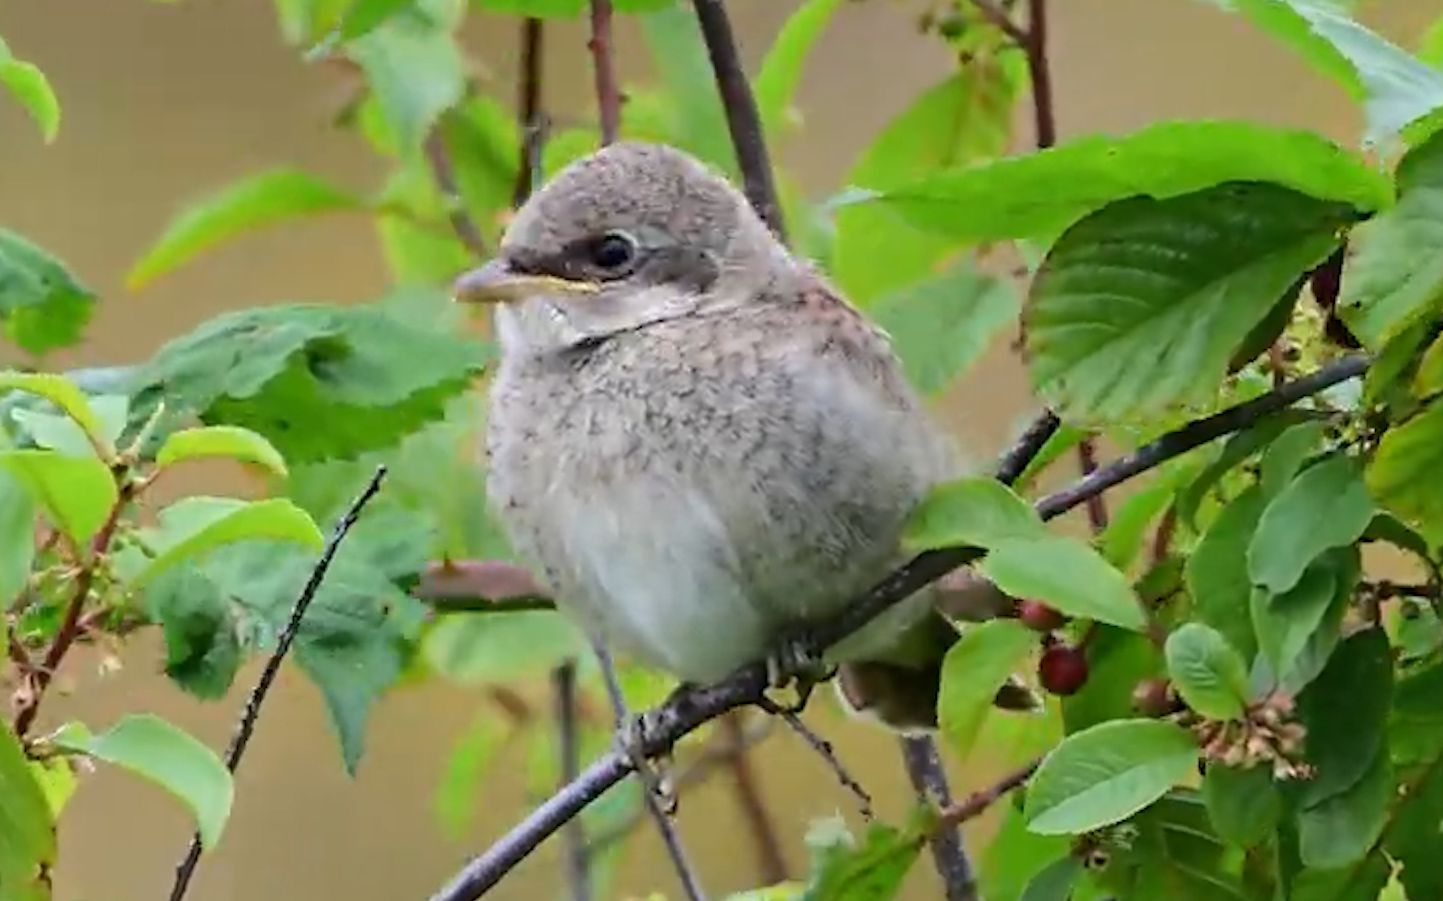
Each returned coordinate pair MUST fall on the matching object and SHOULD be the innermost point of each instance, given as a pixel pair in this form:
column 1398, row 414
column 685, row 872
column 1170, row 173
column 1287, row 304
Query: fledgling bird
column 695, row 439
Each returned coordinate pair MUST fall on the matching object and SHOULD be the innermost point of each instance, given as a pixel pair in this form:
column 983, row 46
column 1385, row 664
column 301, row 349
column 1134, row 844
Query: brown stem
column 1096, row 506
column 771, row 866
column 247, row 725
column 976, row 804
column 1041, row 74
column 608, row 95
column 444, row 175
column 563, row 687
column 929, row 781
column 529, row 113
column 69, row 630
column 743, row 121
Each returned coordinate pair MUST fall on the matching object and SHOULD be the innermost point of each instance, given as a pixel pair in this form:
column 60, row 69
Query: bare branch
column 563, row 689
column 444, row 175
column 528, row 105
column 247, row 725
column 825, row 751
column 977, row 803
column 690, row 882
column 771, row 865
column 688, row 710
column 743, row 121
column 608, row 95
column 929, row 781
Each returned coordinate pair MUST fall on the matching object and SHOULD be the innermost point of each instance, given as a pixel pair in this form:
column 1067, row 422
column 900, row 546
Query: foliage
column 1256, row 714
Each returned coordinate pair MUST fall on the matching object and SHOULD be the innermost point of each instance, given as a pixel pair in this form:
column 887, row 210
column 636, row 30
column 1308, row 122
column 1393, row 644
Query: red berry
column 1039, row 616
column 1062, row 669
column 1154, row 697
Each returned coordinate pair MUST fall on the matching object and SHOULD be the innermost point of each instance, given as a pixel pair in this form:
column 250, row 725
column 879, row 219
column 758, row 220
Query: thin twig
column 608, row 95
column 975, row 804
column 826, row 752
column 246, row 727
column 44, row 673
column 686, row 711
column 999, row 17
column 1045, row 122
column 771, row 866
column 675, row 850
column 1096, row 506
column 532, row 120
column 444, row 174
column 929, row 781
column 563, row 689
column 743, row 120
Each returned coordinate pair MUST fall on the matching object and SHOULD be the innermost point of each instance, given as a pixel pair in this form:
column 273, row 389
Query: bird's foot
column 794, row 663
column 655, row 775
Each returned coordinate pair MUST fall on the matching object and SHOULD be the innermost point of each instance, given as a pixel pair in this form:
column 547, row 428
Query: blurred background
column 164, row 102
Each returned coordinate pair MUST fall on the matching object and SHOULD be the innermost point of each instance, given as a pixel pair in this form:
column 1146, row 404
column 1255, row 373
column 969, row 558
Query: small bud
column 1062, row 669
column 1039, row 616
column 1154, row 697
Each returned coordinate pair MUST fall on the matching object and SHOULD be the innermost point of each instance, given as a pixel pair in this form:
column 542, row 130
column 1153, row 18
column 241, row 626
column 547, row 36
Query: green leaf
column 1342, row 829
column 1325, row 506
column 1106, row 774
column 1395, row 87
column 962, row 119
column 17, row 535
column 198, row 525
column 1066, row 574
column 1208, row 673
column 1234, row 451
column 76, row 493
column 1127, row 525
column 540, row 9
column 844, row 869
column 318, row 382
column 56, row 432
column 1287, row 454
column 413, row 67
column 29, row 86
column 221, row 441
column 1343, row 738
column 1284, row 623
column 365, row 16
column 972, row 672
column 977, row 511
column 1243, row 804
column 1015, row 856
column 1055, row 881
column 64, row 394
column 1395, row 278
column 483, row 648
column 776, row 81
column 252, row 203
column 1217, row 572
column 1040, row 194
column 201, row 629
column 941, row 326
column 42, row 305
column 1140, row 306
column 1412, row 837
column 1362, row 881
column 459, row 791
column 27, row 853
column 1401, row 473
column 156, row 750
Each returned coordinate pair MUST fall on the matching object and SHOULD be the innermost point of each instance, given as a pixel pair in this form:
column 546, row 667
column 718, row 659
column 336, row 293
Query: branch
column 43, row 674
column 608, row 96
column 929, row 781
column 444, row 175
column 976, row 804
column 246, row 727
column 743, row 121
column 563, row 687
column 771, row 865
column 690, row 882
column 688, row 710
column 533, row 125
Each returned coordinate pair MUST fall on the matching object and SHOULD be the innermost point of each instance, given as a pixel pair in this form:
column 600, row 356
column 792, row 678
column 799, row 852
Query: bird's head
column 630, row 235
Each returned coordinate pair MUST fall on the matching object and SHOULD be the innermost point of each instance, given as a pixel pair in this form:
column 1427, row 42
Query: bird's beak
column 497, row 282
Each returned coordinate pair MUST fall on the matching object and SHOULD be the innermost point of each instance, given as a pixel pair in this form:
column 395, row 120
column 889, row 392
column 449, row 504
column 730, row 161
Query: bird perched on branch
column 698, row 442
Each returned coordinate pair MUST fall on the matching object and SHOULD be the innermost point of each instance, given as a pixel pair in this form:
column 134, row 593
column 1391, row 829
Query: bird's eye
column 613, row 250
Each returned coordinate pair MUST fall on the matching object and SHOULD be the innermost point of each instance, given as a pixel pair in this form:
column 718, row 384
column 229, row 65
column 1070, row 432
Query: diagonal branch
column 743, row 120
column 688, row 710
column 247, row 725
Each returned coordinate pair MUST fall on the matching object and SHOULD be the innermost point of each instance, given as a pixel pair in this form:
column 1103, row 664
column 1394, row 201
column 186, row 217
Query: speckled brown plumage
column 708, row 448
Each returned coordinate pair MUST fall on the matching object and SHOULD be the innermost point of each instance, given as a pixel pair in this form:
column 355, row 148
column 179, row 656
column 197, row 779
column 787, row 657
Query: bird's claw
column 655, row 775
column 795, row 663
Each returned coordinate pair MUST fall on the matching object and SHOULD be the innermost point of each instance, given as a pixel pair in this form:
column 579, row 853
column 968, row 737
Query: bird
column 696, row 441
